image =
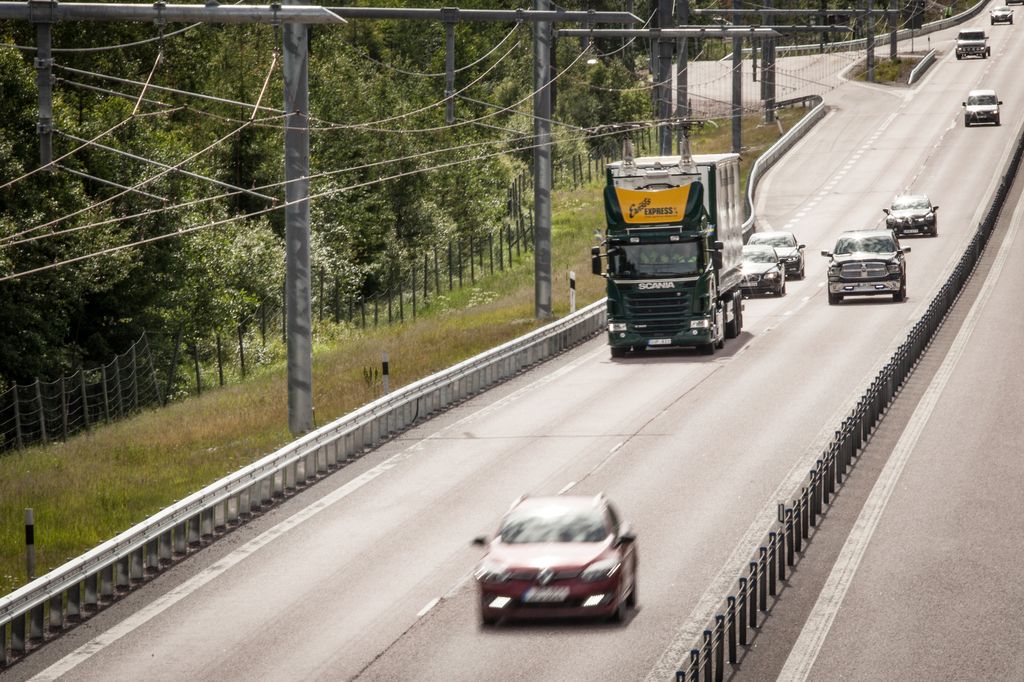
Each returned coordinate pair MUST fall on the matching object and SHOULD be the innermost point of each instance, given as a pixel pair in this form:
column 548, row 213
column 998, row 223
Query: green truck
column 673, row 249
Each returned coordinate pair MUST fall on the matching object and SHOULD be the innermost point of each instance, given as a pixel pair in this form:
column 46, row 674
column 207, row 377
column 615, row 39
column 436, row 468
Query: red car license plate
column 546, row 594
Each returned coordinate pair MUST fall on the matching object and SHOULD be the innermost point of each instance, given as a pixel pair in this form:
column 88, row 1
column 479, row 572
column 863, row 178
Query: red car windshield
column 564, row 526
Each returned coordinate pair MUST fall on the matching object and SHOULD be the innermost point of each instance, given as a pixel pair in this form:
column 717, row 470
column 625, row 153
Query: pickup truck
column 972, row 43
column 866, row 263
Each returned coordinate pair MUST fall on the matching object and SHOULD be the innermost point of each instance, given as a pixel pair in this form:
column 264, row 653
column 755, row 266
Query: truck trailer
column 673, row 248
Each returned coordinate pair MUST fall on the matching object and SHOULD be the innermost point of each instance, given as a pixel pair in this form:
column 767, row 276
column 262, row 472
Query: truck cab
column 672, row 252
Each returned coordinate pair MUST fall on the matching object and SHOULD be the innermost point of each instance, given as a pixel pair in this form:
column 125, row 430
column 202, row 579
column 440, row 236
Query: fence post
column 320, row 298
column 220, row 362
column 742, row 620
column 337, row 301
column 118, row 387
column 426, row 279
column 731, row 613
column 195, row 359
column 720, row 648
column 460, row 262
column 63, row 409
column 241, row 348
column 17, row 417
column 752, row 584
column 106, row 394
column 135, row 379
column 450, row 268
column 413, row 275
column 472, row 260
column 437, row 274
column 490, row 250
column 401, row 300
column 42, row 413
column 30, row 543
column 263, row 322
column 85, row 398
column 501, row 248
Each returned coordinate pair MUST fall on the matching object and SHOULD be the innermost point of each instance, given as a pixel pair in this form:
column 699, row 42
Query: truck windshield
column 976, row 100
column 656, row 260
column 971, row 35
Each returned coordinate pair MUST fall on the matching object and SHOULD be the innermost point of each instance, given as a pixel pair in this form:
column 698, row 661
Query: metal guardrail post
column 706, row 655
column 731, row 614
column 719, row 647
column 794, row 539
column 772, row 553
column 742, row 620
column 752, row 584
column 694, row 665
column 762, row 571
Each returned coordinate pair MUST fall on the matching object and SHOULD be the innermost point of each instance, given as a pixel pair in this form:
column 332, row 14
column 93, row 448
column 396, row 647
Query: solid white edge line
column 426, row 609
column 801, row 658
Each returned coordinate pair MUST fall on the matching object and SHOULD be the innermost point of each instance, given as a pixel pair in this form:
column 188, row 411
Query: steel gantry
column 295, row 19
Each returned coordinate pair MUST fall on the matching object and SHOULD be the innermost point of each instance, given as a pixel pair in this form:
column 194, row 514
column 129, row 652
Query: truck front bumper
column 684, row 339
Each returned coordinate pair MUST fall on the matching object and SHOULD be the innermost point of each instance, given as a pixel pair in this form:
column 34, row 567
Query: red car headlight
column 600, row 570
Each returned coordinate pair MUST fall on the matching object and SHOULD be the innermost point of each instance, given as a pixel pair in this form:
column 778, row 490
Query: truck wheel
column 732, row 328
column 782, row 290
column 706, row 348
column 833, row 299
column 720, row 341
column 958, row 56
column 618, row 352
column 935, row 229
column 967, row 122
column 997, row 120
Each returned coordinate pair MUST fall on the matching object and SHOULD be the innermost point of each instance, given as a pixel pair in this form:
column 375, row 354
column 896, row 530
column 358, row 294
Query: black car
column 763, row 273
column 790, row 252
column 912, row 214
column 867, row 263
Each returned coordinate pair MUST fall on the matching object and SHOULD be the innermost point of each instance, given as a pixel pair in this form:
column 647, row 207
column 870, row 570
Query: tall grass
column 97, row 484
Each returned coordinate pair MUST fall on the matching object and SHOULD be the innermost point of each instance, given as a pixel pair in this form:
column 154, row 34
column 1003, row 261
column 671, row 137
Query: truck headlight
column 616, row 326
column 771, row 275
column 700, row 324
column 893, row 268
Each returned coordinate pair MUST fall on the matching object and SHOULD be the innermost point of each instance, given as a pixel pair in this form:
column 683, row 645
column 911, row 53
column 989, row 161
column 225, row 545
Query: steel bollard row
column 785, row 541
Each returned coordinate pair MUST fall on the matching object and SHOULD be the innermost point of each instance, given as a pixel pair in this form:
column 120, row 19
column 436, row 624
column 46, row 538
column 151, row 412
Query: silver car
column 1001, row 15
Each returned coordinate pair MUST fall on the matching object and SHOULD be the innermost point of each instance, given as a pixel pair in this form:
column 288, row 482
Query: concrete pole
column 664, row 89
column 682, row 73
column 737, row 84
column 44, row 81
column 449, row 72
column 768, row 77
column 542, row 165
column 870, row 42
column 297, row 269
column 893, row 9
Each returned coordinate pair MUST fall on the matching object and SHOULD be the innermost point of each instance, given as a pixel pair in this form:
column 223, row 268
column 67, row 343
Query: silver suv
column 866, row 263
column 972, row 43
column 982, row 106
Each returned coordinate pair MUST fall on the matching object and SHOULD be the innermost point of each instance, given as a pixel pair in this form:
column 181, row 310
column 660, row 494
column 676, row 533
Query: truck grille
column 864, row 271
column 657, row 313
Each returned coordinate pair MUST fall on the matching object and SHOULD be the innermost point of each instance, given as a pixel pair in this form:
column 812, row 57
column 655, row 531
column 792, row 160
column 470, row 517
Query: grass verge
column 95, row 485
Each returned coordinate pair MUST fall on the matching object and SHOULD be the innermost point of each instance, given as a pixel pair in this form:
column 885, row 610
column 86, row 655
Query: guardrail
column 775, row 152
column 762, row 576
column 85, row 584
column 921, row 67
column 883, row 38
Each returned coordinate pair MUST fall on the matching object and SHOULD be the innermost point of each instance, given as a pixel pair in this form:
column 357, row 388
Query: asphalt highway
column 367, row 574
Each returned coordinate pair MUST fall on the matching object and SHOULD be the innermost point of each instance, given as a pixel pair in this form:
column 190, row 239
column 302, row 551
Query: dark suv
column 866, row 263
column 912, row 214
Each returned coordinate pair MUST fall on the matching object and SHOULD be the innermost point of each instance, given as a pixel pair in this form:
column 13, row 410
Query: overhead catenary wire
column 508, row 35
column 251, row 214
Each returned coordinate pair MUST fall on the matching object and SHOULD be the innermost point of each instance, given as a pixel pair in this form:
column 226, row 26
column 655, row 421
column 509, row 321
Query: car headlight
column 600, row 570
column 893, row 268
column 700, row 324
column 490, row 572
column 771, row 275
column 616, row 326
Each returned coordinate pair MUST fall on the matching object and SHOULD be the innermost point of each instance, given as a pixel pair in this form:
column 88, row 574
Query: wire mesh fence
column 41, row 412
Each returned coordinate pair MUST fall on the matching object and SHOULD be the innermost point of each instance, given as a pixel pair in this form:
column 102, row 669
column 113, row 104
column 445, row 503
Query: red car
column 554, row 557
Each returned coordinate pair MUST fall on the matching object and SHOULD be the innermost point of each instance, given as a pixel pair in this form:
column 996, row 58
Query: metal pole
column 664, row 89
column 542, row 165
column 449, row 72
column 737, row 84
column 297, row 277
column 44, row 81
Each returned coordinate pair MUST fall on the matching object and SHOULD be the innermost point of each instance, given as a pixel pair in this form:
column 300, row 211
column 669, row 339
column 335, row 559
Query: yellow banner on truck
column 657, row 206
